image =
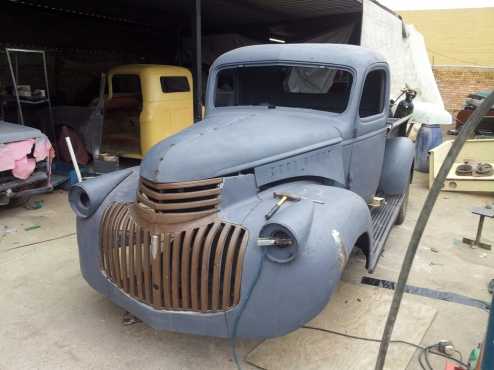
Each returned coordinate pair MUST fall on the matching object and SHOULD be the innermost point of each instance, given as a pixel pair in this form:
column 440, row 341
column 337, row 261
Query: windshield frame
column 212, row 84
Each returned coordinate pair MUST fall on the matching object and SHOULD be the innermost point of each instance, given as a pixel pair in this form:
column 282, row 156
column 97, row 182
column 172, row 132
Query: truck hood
column 229, row 142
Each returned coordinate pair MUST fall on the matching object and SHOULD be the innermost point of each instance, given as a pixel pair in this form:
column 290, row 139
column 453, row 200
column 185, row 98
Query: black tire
column 403, row 209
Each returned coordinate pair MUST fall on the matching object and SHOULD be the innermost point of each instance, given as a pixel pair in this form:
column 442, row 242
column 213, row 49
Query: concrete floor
column 51, row 319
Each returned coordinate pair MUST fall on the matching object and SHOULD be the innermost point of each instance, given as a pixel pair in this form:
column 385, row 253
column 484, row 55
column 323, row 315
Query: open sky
column 435, row 4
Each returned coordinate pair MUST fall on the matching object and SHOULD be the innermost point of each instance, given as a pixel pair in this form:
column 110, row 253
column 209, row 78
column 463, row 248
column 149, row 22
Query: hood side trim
column 278, row 157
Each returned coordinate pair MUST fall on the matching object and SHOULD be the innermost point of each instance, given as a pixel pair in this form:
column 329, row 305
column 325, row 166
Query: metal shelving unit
column 22, row 100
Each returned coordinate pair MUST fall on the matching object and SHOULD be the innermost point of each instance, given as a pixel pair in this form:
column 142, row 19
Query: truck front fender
column 290, row 292
column 397, row 165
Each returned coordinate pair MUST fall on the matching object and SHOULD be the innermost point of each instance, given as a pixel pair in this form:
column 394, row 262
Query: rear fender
column 397, row 166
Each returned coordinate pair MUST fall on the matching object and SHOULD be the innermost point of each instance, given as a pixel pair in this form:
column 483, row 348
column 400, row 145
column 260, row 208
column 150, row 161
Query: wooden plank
column 357, row 310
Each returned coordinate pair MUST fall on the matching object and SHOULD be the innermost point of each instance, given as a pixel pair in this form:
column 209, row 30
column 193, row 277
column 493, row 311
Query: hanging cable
column 233, row 338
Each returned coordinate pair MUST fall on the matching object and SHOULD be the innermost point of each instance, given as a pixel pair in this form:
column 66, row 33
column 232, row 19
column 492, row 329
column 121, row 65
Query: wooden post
column 198, row 61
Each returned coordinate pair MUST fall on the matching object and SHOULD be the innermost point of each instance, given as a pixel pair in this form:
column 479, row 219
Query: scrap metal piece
column 483, row 212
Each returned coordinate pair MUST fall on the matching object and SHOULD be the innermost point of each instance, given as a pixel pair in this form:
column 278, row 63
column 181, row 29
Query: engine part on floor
column 429, row 293
column 468, row 129
column 483, row 212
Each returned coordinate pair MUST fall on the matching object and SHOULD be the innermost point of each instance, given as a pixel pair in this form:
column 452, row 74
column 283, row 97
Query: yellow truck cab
column 146, row 103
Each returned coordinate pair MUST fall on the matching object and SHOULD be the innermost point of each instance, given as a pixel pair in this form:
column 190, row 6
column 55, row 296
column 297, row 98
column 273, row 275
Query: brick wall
column 456, row 82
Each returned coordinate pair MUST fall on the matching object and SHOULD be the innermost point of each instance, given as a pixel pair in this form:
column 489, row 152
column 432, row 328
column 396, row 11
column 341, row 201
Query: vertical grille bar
column 156, row 267
column 238, row 268
column 138, row 262
column 185, row 269
column 218, row 263
column 147, row 266
column 177, row 247
column 197, row 268
column 206, row 257
column 166, row 271
column 116, row 236
column 194, row 281
column 123, row 251
column 227, row 278
column 132, row 284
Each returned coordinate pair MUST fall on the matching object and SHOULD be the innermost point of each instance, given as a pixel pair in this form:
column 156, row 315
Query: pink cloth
column 43, row 149
column 24, row 168
column 16, row 156
column 12, row 152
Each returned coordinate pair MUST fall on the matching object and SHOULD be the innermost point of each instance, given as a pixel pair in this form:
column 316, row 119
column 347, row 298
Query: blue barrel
column 429, row 136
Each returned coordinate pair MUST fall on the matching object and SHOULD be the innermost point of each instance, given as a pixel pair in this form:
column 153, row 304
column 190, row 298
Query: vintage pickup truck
column 243, row 223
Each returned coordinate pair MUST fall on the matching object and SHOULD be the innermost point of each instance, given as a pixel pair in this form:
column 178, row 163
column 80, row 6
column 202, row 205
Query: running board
column 383, row 219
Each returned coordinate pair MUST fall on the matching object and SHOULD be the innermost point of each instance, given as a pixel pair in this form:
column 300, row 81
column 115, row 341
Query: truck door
column 370, row 133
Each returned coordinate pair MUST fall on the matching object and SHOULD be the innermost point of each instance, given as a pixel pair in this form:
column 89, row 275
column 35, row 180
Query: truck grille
column 196, row 268
column 181, row 201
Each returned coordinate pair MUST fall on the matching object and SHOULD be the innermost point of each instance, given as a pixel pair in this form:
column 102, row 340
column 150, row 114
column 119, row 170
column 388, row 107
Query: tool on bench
column 283, row 198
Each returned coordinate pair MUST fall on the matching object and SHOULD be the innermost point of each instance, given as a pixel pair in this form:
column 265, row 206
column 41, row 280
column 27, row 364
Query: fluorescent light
column 279, row 41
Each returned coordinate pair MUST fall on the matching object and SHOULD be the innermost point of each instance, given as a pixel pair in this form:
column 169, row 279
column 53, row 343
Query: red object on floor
column 453, row 366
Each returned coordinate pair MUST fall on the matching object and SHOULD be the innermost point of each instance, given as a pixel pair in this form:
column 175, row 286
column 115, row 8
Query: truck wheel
column 403, row 209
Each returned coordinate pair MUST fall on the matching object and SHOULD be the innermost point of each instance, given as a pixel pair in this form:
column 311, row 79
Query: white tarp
column 407, row 56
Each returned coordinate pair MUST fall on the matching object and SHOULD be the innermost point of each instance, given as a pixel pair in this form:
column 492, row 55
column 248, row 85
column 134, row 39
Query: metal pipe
column 467, row 130
column 74, row 159
column 50, row 109
column 479, row 230
column 198, row 64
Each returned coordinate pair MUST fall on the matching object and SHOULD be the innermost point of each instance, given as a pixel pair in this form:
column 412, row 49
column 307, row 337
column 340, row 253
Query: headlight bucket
column 86, row 197
column 284, row 245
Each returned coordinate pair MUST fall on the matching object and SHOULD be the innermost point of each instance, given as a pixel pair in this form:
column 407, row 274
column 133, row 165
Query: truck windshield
column 319, row 88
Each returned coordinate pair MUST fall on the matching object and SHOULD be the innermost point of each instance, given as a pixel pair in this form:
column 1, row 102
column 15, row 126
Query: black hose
column 467, row 130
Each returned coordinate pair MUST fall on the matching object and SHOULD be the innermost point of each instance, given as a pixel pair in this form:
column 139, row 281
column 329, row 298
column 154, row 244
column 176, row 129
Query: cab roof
column 353, row 56
column 152, row 69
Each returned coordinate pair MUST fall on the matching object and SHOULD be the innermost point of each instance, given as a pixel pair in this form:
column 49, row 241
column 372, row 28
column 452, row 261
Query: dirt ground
column 51, row 319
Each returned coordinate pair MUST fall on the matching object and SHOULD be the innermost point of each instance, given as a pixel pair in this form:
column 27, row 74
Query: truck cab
column 260, row 204
column 146, row 103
